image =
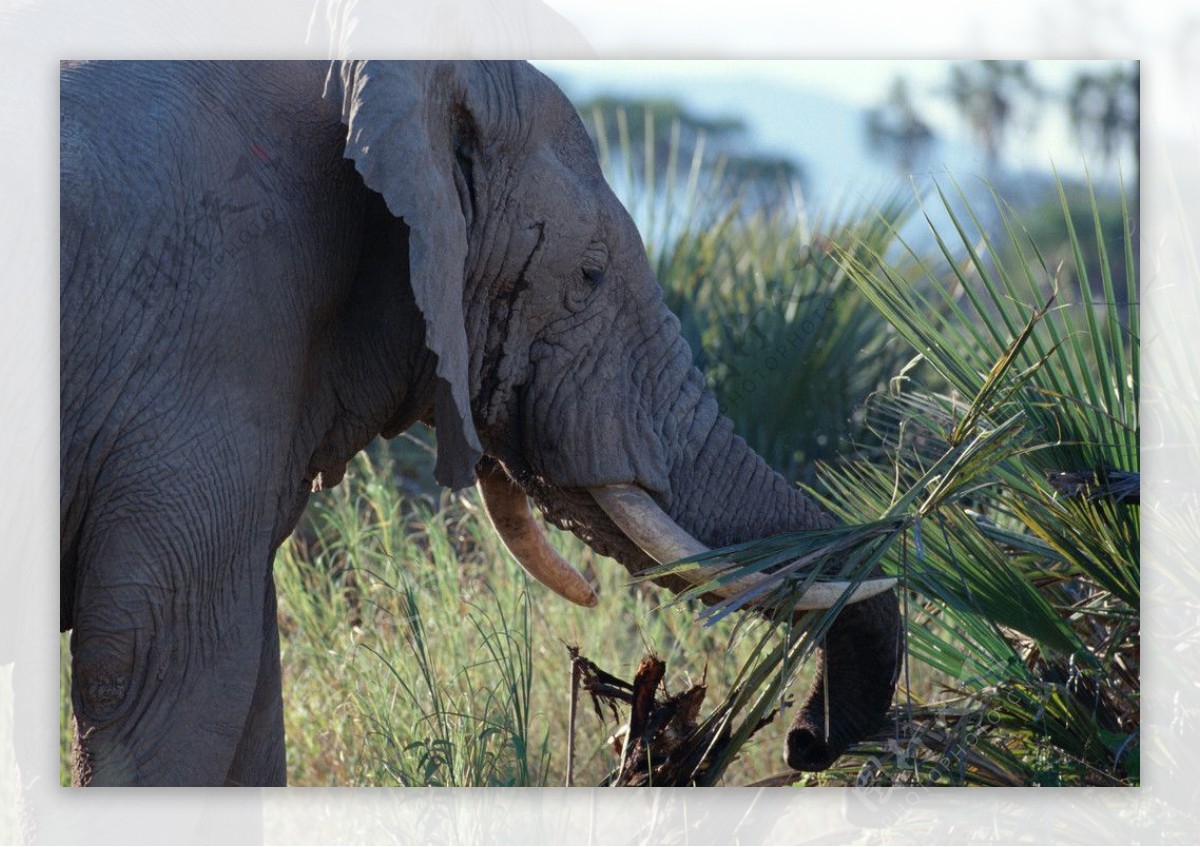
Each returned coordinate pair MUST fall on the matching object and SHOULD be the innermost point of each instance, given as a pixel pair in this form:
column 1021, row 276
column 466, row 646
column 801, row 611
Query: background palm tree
column 897, row 130
column 993, row 97
column 1105, row 114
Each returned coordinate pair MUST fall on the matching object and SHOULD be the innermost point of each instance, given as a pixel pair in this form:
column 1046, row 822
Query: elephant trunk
column 856, row 676
column 859, row 658
column 724, row 493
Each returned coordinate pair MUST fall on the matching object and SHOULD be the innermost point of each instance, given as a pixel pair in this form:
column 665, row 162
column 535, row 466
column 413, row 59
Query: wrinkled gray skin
column 264, row 266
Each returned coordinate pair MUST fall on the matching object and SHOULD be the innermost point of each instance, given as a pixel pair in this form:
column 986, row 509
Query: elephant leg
column 260, row 758
column 168, row 638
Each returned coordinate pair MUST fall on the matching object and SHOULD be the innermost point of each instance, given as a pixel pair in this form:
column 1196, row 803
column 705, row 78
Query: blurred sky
column 813, row 110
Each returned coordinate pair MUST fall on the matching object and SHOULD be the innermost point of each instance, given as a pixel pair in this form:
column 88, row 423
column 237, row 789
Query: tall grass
column 416, row 651
column 440, row 660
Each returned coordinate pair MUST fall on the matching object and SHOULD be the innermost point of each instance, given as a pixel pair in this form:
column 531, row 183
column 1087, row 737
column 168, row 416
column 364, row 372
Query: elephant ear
column 401, row 119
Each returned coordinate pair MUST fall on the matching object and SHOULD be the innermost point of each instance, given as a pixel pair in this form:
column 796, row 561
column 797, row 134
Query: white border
column 35, row 35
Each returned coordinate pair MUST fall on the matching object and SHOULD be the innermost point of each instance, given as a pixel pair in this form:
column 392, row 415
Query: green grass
column 416, row 651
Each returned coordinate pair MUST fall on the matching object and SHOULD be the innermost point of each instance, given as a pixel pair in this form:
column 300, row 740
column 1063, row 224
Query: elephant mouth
column 645, row 526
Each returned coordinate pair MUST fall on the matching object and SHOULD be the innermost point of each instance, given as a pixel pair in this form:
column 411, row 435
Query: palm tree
column 895, row 129
column 989, row 94
column 1105, row 114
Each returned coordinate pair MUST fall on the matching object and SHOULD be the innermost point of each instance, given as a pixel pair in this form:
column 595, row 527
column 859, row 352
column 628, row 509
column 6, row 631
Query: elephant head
column 560, row 367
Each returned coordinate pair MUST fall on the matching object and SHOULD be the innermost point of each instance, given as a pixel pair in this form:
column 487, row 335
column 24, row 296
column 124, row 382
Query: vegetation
column 967, row 404
column 994, row 97
column 644, row 140
column 1011, row 504
column 416, row 652
column 896, row 129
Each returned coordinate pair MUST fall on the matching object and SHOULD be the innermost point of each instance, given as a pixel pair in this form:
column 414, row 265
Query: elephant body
column 264, row 266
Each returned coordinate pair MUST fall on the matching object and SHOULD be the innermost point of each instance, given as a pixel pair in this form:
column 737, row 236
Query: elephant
column 264, row 266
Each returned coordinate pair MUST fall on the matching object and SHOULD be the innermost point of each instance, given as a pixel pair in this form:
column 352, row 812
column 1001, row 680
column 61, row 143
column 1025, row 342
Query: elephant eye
column 592, row 265
column 594, row 275
column 595, row 260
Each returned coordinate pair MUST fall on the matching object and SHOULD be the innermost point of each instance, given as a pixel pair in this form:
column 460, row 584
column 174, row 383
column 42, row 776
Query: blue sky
column 780, row 99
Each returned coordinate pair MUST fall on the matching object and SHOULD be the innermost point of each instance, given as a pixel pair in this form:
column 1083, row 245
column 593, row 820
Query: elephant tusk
column 508, row 509
column 637, row 515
